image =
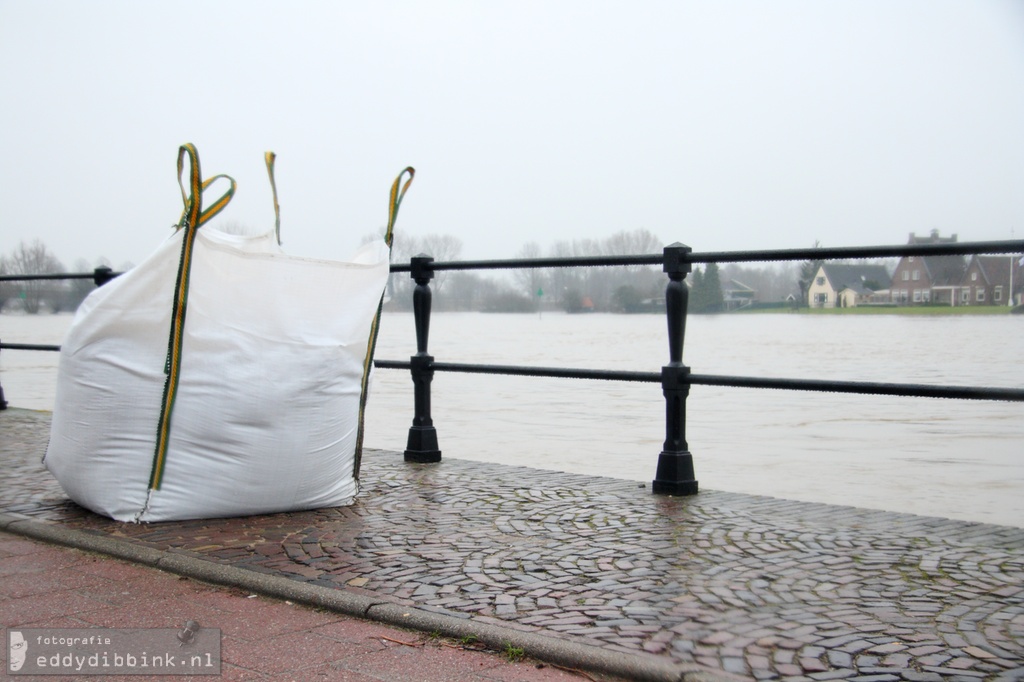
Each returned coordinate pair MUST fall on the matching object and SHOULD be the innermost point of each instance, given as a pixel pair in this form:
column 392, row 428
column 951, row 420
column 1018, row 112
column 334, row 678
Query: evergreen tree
column 713, row 296
column 698, row 295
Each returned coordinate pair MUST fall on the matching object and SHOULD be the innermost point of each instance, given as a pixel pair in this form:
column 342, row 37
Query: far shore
column 777, row 310
column 892, row 310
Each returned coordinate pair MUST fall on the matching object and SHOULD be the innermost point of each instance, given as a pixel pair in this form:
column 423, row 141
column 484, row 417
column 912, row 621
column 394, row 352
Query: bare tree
column 78, row 289
column 633, row 243
column 562, row 281
column 35, row 259
column 644, row 280
column 465, row 291
column 529, row 280
column 6, row 288
column 399, row 283
column 442, row 247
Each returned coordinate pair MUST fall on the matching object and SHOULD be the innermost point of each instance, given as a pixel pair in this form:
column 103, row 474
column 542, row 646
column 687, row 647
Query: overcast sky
column 723, row 125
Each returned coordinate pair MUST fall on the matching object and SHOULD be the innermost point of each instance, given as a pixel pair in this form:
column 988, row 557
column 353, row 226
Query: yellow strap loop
column 193, row 199
column 216, row 207
column 269, row 158
column 396, row 201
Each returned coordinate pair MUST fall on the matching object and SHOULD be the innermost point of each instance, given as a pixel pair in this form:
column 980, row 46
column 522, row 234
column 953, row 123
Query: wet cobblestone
column 755, row 586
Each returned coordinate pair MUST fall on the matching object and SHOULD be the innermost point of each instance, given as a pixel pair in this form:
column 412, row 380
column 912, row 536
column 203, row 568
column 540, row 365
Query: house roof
column 945, row 270
column 858, row 288
column 932, row 238
column 735, row 286
column 942, row 270
column 860, row 278
column 996, row 269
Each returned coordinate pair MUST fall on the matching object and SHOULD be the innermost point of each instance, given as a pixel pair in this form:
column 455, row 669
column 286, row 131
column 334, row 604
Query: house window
column 906, row 276
column 997, row 295
column 820, row 281
column 981, row 294
column 917, row 295
column 965, row 295
column 910, row 259
column 974, row 277
column 926, row 295
column 917, row 275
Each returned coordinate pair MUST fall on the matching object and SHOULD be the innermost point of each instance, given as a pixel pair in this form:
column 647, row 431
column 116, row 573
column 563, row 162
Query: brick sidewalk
column 47, row 586
column 752, row 586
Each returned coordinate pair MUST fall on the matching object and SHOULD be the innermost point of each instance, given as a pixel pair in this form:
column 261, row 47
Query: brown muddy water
column 951, row 458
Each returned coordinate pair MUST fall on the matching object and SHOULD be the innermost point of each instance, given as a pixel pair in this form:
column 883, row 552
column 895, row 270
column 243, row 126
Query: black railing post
column 3, row 401
column 422, row 443
column 675, row 463
column 102, row 275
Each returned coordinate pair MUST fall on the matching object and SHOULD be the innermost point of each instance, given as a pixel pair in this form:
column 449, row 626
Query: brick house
column 992, row 280
column 927, row 279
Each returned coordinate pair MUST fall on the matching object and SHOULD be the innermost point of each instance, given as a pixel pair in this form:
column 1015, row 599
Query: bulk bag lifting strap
column 397, row 192
column 192, row 218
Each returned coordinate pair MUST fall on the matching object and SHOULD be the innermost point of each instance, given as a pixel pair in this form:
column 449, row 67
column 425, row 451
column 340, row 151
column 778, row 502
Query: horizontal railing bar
column 27, row 346
column 555, row 372
column 57, row 275
column 862, row 387
column 520, row 263
column 953, row 249
column 855, row 252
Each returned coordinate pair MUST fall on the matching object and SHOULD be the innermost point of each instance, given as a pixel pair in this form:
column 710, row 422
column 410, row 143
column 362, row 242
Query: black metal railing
column 675, row 471
column 99, row 276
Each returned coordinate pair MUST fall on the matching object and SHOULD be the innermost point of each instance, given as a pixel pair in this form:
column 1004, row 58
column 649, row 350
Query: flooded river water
column 951, row 458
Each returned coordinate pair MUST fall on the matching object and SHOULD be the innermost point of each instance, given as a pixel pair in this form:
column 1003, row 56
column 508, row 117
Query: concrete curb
column 646, row 668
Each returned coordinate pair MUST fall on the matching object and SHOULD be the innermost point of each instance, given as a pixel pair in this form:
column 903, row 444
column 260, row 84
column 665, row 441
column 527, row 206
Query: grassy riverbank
column 878, row 310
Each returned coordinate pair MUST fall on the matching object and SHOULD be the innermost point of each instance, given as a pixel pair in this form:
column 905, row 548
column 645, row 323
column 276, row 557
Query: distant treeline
column 634, row 288
column 44, row 295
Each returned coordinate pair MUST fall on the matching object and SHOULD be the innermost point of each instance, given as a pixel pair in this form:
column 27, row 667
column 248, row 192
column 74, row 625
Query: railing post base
column 675, row 463
column 675, row 475
column 422, row 445
column 3, row 401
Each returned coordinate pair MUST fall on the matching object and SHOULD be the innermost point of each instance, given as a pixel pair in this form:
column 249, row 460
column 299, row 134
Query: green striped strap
column 192, row 218
column 216, row 207
column 398, row 191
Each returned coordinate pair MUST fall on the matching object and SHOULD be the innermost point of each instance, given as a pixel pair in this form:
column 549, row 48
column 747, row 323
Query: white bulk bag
column 271, row 367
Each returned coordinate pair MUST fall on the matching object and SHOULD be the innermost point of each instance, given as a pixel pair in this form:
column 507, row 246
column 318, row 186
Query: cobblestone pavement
column 261, row 639
column 754, row 586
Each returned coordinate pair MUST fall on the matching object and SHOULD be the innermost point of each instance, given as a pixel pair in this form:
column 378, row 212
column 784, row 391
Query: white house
column 846, row 286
